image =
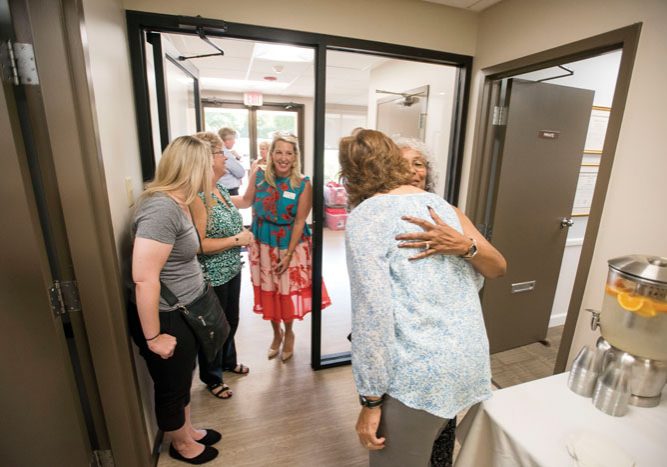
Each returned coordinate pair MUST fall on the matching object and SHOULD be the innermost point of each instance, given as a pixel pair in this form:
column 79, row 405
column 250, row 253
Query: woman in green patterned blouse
column 220, row 228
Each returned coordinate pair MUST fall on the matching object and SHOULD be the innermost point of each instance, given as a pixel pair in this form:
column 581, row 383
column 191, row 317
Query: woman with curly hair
column 280, row 255
column 419, row 347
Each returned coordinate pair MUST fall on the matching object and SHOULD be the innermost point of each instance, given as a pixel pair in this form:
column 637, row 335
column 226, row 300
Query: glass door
column 333, row 95
column 173, row 94
column 403, row 99
column 253, row 126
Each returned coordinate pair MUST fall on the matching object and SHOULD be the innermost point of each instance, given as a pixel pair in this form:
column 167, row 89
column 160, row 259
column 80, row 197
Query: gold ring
column 428, row 245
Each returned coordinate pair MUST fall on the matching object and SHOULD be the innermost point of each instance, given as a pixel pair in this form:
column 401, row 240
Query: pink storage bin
column 335, row 218
column 335, row 194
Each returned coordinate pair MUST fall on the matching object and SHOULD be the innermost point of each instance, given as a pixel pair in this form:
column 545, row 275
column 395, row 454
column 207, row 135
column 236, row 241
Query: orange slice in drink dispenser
column 630, row 302
column 647, row 310
column 611, row 290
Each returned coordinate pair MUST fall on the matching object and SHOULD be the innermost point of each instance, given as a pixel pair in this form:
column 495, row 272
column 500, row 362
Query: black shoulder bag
column 205, row 317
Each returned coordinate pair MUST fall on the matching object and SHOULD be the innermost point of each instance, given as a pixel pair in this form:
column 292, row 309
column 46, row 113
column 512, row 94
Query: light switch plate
column 129, row 191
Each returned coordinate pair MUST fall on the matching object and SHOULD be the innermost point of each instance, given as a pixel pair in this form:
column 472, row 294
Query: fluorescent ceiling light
column 282, row 53
column 242, row 85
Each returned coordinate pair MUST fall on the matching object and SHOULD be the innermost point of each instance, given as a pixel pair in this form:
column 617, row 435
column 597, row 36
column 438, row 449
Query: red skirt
column 286, row 296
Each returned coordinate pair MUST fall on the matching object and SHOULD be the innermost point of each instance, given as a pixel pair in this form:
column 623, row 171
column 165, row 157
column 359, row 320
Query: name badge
column 289, row 195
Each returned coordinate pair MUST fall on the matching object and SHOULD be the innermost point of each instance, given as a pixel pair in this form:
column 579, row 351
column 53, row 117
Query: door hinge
column 18, row 63
column 499, row 115
column 64, row 297
column 102, row 458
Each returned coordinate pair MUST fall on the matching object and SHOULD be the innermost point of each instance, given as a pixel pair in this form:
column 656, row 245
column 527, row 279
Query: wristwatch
column 472, row 251
column 371, row 404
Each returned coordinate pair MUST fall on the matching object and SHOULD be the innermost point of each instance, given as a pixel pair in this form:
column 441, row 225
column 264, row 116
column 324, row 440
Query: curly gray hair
column 420, row 147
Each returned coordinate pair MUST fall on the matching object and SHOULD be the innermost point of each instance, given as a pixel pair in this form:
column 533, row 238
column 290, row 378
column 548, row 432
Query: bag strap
column 168, row 295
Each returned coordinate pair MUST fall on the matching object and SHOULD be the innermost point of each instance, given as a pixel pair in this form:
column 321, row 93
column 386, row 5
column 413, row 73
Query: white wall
column 409, row 22
column 401, row 76
column 111, row 82
column 632, row 220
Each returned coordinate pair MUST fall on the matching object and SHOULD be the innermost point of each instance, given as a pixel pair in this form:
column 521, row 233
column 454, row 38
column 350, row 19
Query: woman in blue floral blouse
column 419, row 348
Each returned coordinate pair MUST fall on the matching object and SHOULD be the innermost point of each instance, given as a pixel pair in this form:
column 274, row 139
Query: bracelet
column 472, row 251
column 371, row 404
column 154, row 337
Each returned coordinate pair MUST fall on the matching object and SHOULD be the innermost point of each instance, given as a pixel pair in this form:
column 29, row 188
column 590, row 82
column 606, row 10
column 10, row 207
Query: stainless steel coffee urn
column 633, row 320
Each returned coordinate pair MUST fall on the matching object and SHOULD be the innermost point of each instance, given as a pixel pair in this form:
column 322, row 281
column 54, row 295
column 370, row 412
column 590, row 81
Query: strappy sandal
column 240, row 369
column 224, row 393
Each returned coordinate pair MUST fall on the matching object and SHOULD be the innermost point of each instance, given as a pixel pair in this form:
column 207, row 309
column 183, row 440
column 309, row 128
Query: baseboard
column 557, row 320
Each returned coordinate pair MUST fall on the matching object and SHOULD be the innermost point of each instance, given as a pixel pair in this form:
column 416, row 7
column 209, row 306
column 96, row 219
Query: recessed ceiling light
column 282, row 53
column 242, row 85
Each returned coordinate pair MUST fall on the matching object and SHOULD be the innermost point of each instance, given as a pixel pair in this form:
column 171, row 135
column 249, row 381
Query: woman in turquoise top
column 220, row 228
column 280, row 255
column 419, row 347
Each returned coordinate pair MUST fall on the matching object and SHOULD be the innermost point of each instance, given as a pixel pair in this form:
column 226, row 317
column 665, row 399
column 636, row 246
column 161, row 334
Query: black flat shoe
column 210, row 438
column 208, row 454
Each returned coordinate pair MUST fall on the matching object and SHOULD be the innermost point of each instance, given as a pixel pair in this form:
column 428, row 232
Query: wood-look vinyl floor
column 285, row 414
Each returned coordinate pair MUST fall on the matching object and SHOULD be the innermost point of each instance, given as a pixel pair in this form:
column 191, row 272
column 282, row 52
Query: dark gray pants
column 409, row 434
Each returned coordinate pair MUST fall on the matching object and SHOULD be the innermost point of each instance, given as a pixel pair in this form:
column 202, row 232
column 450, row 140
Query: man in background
column 235, row 171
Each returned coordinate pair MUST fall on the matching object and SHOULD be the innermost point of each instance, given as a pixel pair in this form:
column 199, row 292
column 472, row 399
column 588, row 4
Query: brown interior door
column 41, row 415
column 540, row 157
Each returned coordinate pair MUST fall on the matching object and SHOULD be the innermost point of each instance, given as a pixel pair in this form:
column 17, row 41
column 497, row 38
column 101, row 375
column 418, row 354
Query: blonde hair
column 226, row 132
column 185, row 167
column 371, row 163
column 295, row 176
column 211, row 138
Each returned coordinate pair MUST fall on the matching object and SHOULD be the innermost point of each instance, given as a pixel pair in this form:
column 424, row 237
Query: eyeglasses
column 419, row 164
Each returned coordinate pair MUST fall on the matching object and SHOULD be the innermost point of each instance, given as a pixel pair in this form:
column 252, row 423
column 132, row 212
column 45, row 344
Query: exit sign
column 252, row 99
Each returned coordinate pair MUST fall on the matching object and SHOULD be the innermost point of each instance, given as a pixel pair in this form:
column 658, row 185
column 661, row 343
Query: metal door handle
column 566, row 222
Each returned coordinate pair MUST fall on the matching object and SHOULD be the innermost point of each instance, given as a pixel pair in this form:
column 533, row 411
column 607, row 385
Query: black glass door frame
column 252, row 118
column 159, row 56
column 141, row 23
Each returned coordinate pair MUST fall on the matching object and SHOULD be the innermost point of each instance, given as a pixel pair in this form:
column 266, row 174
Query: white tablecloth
column 532, row 423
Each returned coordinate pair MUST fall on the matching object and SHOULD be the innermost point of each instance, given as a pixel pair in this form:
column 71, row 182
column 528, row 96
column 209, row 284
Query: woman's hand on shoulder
column 437, row 237
column 163, row 345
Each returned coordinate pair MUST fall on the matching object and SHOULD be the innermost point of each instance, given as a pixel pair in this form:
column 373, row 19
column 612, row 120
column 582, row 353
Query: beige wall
column 108, row 62
column 406, row 22
column 633, row 217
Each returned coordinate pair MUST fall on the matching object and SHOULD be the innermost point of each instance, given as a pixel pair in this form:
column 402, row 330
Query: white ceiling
column 347, row 77
column 472, row 5
column 348, row 74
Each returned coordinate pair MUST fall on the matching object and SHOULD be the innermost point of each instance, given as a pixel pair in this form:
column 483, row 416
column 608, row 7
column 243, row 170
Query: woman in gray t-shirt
column 165, row 246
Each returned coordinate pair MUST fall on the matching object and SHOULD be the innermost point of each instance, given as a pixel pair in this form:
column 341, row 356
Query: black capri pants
column 172, row 377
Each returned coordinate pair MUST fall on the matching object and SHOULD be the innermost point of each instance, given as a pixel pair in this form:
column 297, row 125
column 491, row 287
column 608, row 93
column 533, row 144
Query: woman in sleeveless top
column 280, row 255
column 220, row 228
